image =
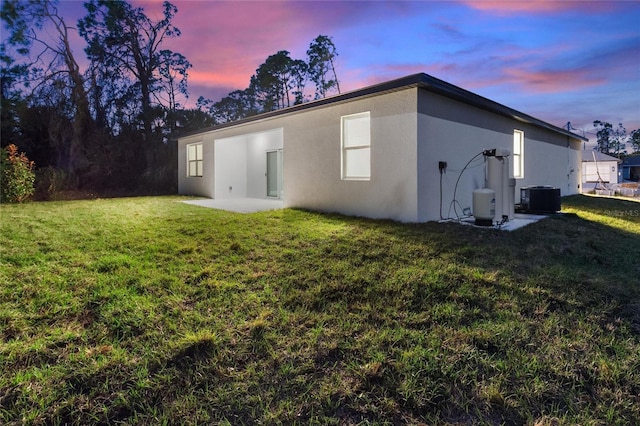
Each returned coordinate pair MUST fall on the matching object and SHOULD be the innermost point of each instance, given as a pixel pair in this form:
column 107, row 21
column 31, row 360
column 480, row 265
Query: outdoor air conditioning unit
column 540, row 199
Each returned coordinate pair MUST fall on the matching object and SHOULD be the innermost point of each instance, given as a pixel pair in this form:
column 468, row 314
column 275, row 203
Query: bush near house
column 17, row 176
column 150, row 311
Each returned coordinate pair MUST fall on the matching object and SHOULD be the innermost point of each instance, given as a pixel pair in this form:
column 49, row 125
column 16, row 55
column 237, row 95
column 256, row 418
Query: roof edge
column 422, row 80
column 447, row 89
column 599, row 157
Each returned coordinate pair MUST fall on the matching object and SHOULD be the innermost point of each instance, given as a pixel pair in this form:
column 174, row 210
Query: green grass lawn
column 150, row 311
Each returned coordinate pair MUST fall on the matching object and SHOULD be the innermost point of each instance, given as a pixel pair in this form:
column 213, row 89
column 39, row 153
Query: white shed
column 395, row 150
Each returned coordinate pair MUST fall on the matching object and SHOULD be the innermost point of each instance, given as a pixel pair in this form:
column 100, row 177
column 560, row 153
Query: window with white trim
column 518, row 154
column 194, row 160
column 356, row 146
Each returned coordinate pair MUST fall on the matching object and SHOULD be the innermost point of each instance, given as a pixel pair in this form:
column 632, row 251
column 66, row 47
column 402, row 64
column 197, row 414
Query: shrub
column 16, row 176
column 49, row 182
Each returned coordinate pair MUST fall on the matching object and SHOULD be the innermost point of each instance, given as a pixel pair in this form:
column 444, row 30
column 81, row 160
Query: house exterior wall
column 412, row 129
column 202, row 186
column 630, row 168
column 312, row 159
column 631, row 173
column 258, row 146
column 240, row 164
column 230, row 167
column 234, row 158
column 552, row 159
column 452, row 131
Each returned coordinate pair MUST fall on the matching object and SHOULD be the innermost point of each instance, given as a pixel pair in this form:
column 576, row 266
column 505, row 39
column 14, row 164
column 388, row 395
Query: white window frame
column 195, row 159
column 362, row 147
column 518, row 154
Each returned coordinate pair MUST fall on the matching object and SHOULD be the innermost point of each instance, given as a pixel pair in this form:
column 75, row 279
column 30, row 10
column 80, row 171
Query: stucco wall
column 455, row 132
column 411, row 131
column 203, row 186
column 312, row 162
column 230, row 165
column 240, row 164
column 233, row 158
column 258, row 145
column 312, row 177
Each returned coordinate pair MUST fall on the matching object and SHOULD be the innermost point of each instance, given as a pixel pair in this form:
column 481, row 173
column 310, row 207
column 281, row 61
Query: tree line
column 613, row 140
column 280, row 82
column 107, row 126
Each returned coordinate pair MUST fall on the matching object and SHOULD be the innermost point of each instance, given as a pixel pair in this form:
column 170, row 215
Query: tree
column 11, row 100
column 267, row 83
column 299, row 71
column 278, row 79
column 193, row 119
column 634, row 140
column 145, row 85
column 128, row 45
column 235, row 106
column 610, row 140
column 55, row 75
column 279, row 83
column 173, row 69
column 618, row 139
column 101, row 125
column 321, row 55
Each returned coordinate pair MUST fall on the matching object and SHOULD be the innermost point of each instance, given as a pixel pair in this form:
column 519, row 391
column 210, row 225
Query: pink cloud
column 550, row 81
column 502, row 7
column 476, row 75
column 226, row 79
column 226, row 41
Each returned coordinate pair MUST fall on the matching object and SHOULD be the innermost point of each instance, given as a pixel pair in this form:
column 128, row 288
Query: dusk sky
column 559, row 61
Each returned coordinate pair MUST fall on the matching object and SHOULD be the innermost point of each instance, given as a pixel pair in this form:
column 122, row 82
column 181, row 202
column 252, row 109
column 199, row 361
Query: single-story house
column 631, row 168
column 599, row 168
column 399, row 150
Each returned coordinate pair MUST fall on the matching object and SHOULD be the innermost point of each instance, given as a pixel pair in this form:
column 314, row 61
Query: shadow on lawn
column 564, row 269
column 580, row 269
column 583, row 264
column 108, row 397
column 576, row 264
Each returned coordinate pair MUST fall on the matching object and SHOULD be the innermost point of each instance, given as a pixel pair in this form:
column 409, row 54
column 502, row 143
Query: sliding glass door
column 274, row 174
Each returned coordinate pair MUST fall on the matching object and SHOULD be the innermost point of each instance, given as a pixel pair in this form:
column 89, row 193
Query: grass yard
column 150, row 311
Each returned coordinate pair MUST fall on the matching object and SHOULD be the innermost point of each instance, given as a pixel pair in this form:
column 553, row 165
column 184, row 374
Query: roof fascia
column 388, row 86
column 421, row 80
column 454, row 92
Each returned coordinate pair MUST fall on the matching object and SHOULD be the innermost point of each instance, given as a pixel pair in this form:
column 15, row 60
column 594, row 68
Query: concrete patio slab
column 519, row 220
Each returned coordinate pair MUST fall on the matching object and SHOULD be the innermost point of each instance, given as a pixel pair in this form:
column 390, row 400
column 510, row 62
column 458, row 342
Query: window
column 194, row 160
column 356, row 146
column 518, row 154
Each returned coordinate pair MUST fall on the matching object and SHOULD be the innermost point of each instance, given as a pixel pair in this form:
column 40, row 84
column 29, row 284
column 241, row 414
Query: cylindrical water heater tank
column 510, row 206
column 484, row 206
column 497, row 180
